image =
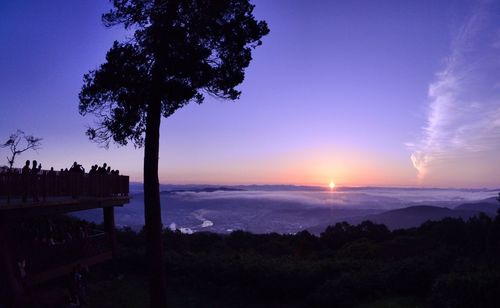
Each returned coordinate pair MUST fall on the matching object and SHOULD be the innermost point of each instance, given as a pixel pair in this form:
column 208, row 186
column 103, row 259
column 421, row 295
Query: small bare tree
column 18, row 143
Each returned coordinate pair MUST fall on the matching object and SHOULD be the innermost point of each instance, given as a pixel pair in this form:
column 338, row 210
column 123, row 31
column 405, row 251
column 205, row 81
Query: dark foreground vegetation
column 450, row 263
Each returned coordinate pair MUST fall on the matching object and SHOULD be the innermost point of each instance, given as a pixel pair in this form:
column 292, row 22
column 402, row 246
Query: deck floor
column 16, row 208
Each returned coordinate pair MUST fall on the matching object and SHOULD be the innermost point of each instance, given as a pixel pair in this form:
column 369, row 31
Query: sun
column 332, row 185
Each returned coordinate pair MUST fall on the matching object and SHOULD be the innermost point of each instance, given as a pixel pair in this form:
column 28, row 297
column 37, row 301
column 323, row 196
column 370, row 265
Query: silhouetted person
column 73, row 167
column 25, row 179
column 77, row 168
column 92, row 179
column 75, row 171
column 60, row 182
column 51, row 178
column 103, row 169
column 35, row 169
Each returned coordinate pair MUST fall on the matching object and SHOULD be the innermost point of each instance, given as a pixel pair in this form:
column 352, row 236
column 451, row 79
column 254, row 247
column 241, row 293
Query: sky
column 379, row 93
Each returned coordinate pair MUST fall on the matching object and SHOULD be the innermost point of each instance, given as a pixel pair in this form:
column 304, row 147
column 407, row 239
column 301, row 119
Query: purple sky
column 358, row 92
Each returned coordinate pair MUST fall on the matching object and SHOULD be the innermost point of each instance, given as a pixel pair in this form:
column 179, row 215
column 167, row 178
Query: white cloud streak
column 463, row 118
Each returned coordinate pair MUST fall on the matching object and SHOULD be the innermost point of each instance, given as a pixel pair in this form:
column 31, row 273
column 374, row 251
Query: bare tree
column 18, row 143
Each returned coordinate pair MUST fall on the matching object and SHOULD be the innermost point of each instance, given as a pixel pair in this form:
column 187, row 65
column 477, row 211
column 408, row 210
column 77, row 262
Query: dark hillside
column 414, row 216
column 489, row 208
column 447, row 263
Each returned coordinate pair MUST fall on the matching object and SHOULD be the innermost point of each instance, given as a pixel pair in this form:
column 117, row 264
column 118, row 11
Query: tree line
column 448, row 263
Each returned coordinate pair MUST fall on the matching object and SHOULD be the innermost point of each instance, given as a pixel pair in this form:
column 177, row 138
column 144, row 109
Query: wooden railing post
column 44, row 185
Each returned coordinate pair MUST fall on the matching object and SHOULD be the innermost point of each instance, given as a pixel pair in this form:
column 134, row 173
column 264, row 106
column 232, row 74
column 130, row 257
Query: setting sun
column 332, row 185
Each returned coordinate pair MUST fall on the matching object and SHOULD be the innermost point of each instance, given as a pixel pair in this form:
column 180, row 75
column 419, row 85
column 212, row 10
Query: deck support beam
column 109, row 227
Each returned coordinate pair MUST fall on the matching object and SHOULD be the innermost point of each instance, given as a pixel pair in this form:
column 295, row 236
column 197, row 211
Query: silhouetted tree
column 180, row 52
column 19, row 143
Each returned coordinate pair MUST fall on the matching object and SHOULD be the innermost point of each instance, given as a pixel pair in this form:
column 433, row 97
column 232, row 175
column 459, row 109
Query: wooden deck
column 49, row 193
column 24, row 198
column 17, row 209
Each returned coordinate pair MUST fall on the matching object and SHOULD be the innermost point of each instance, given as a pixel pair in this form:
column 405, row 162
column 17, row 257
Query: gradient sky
column 390, row 93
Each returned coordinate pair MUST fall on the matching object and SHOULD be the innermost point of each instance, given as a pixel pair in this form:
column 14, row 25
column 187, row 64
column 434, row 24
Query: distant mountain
column 283, row 187
column 135, row 186
column 414, row 216
column 488, row 206
column 204, row 189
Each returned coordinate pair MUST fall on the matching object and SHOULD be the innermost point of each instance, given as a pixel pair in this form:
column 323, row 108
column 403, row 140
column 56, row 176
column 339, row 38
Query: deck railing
column 13, row 184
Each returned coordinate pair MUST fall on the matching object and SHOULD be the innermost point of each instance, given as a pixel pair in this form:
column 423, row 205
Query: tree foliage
column 181, row 51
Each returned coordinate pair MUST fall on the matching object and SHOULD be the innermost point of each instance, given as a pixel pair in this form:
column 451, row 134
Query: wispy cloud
column 464, row 99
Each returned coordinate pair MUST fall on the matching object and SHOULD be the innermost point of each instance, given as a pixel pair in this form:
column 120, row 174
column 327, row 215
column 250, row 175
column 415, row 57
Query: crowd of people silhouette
column 104, row 169
column 35, row 182
column 29, row 179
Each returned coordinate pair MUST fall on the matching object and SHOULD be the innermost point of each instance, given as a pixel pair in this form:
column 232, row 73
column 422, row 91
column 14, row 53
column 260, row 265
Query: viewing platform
column 51, row 189
column 35, row 236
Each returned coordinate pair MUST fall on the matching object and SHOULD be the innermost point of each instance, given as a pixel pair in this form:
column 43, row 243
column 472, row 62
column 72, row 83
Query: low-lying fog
column 282, row 209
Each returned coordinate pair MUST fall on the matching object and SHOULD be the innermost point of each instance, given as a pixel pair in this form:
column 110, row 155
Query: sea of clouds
column 282, row 210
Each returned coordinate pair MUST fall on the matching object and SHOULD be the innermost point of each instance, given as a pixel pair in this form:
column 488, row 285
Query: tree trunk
column 152, row 209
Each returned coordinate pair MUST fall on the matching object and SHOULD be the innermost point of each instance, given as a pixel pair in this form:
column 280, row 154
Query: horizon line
column 325, row 187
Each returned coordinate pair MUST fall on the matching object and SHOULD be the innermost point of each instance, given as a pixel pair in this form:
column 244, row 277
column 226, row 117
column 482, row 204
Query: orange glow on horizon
column 315, row 166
